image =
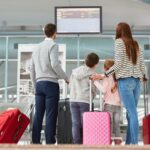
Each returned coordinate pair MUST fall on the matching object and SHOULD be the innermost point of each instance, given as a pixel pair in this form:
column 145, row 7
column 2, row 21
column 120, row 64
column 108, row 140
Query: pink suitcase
column 96, row 127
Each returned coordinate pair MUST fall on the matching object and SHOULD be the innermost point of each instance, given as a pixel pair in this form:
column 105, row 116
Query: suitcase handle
column 91, row 98
column 145, row 98
column 19, row 118
column 30, row 110
column 90, row 94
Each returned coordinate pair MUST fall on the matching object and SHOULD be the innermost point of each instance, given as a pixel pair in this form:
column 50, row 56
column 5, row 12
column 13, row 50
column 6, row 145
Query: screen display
column 78, row 20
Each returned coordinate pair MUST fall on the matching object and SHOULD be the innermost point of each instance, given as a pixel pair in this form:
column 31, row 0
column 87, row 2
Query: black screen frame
column 68, row 7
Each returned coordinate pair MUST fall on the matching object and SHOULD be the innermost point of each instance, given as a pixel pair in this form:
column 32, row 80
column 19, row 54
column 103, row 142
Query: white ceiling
column 40, row 12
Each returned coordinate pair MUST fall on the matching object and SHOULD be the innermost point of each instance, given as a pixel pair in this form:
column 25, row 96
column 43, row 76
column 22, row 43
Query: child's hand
column 114, row 88
column 96, row 76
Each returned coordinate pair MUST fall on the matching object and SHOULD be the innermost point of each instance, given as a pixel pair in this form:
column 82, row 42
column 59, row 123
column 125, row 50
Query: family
column 120, row 84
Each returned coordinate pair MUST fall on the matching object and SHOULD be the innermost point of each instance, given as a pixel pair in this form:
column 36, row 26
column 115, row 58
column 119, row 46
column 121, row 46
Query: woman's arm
column 142, row 65
column 119, row 55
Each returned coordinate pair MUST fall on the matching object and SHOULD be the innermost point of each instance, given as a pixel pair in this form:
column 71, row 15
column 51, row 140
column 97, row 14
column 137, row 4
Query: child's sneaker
column 118, row 141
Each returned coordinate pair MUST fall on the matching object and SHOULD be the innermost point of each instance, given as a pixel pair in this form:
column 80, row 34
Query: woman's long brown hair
column 123, row 31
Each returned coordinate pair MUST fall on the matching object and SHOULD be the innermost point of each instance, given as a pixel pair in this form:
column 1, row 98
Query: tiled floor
column 70, row 147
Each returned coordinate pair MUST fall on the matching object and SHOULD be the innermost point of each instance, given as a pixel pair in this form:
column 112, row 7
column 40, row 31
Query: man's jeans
column 77, row 110
column 46, row 99
column 129, row 90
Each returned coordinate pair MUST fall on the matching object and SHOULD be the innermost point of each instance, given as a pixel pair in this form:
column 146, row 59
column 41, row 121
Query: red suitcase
column 146, row 129
column 96, row 127
column 146, row 119
column 12, row 125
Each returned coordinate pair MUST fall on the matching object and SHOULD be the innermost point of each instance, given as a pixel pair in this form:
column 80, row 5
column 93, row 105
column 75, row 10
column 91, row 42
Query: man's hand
column 97, row 76
column 67, row 82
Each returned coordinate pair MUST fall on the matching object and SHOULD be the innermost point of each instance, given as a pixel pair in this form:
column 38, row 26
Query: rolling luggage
column 146, row 119
column 96, row 126
column 64, row 127
column 12, row 125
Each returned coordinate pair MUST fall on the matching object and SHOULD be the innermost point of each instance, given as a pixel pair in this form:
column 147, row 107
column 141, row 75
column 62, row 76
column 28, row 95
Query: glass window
column 71, row 46
column 2, row 81
column 103, row 46
column 2, row 47
column 12, row 80
column 14, row 41
column 144, row 43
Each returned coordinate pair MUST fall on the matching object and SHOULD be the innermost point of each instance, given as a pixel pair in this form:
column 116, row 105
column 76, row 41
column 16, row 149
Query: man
column 45, row 72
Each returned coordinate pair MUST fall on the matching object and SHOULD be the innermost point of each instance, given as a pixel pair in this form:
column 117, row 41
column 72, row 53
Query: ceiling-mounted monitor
column 78, row 20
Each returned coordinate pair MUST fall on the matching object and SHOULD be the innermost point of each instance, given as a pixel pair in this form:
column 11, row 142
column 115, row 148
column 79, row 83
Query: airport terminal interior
column 21, row 28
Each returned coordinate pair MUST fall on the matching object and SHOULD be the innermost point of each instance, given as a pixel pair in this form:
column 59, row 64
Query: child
column 79, row 94
column 112, row 102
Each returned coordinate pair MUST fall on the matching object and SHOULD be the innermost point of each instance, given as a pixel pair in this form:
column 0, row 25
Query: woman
column 129, row 69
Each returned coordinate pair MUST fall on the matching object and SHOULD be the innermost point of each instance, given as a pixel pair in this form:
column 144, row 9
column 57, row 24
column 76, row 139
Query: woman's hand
column 145, row 79
column 97, row 76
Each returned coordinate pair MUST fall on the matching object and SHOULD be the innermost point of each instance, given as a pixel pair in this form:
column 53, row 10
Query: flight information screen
column 78, row 20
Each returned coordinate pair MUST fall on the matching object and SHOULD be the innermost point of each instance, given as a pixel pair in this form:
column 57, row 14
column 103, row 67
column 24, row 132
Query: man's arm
column 32, row 73
column 54, row 57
